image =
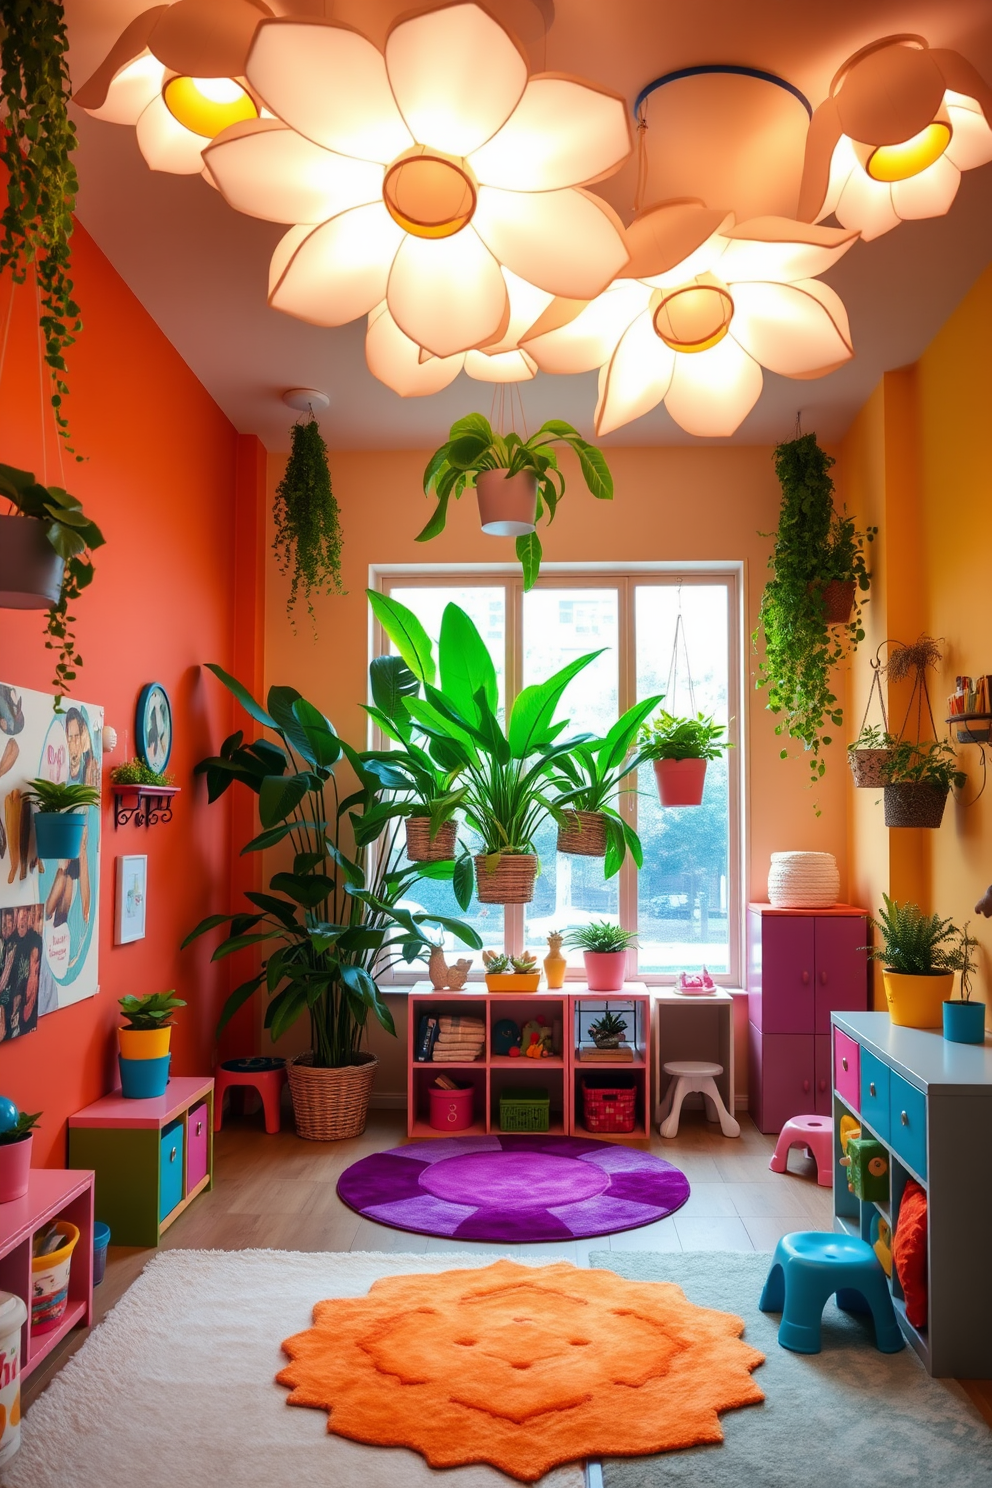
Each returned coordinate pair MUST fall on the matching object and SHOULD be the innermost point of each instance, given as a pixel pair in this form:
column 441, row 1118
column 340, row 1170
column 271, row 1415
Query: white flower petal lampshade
column 477, row 168
column 889, row 144
column 714, row 304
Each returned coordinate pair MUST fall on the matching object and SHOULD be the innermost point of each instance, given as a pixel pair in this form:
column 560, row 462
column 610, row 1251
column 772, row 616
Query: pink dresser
column 803, row 965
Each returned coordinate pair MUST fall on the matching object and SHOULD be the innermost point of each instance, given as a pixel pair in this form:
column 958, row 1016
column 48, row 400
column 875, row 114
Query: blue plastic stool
column 807, row 1268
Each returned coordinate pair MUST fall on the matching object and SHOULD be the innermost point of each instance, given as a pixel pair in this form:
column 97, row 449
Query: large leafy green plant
column 73, row 536
column 432, row 788
column 814, row 546
column 308, row 527
column 472, row 447
column 933, row 763
column 502, row 772
column 335, row 922
column 916, row 944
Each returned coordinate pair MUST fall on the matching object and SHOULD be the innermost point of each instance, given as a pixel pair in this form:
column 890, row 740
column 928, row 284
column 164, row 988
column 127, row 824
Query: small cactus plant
column 608, row 1030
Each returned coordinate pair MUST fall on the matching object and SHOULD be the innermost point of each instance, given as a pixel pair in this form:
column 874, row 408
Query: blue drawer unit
column 875, row 1093
column 171, row 1168
column 908, row 1123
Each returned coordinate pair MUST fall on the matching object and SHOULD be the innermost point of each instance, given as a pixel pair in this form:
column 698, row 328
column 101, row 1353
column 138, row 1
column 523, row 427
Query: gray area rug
column 848, row 1417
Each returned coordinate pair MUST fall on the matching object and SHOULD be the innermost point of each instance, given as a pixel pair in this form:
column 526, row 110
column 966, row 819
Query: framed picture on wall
column 132, row 889
column 153, row 726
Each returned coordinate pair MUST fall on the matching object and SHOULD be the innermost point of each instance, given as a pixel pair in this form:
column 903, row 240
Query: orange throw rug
column 522, row 1367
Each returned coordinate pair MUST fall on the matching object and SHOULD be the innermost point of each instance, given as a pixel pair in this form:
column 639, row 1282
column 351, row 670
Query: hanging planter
column 422, row 848
column 507, row 880
column 915, row 803
column 30, row 569
column 680, row 747
column 837, row 596
column 680, row 781
column 60, row 816
column 873, row 752
column 507, row 503
column 583, row 833
column 921, row 773
column 308, row 528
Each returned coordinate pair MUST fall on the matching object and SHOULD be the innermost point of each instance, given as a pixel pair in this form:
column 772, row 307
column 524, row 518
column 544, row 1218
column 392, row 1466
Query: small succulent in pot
column 21, row 1129
column 604, row 948
column 50, row 796
column 525, row 965
column 495, row 963
column 60, row 816
column 608, row 1030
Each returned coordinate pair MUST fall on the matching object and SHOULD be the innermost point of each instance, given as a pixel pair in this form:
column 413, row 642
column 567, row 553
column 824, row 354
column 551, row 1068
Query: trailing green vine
column 308, row 528
column 814, row 546
column 38, row 138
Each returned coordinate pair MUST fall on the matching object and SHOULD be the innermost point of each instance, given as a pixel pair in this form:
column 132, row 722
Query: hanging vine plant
column 817, row 552
column 308, row 526
column 38, row 138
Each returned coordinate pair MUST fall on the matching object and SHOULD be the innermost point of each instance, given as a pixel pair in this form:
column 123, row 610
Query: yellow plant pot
column 917, row 1001
column 144, row 1043
column 513, row 981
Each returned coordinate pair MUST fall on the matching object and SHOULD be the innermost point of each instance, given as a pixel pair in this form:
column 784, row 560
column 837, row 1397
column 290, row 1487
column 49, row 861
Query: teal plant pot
column 964, row 1022
column 59, row 834
column 141, row 1079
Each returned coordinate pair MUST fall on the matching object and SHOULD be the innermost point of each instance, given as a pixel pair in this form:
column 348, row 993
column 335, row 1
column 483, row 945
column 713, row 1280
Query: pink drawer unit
column 198, row 1152
column 847, row 1069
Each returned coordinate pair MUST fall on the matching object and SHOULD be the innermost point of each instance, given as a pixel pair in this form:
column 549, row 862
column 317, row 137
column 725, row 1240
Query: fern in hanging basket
column 308, row 528
column 815, row 547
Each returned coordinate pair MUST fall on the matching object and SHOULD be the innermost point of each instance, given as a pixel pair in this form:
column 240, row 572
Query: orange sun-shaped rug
column 522, row 1367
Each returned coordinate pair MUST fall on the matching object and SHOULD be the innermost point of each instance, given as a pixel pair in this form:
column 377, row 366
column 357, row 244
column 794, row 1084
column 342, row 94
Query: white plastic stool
column 689, row 1077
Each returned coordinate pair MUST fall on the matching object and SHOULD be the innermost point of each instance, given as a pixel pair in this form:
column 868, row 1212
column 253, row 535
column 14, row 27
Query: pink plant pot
column 15, row 1168
column 507, row 504
column 680, row 782
column 605, row 970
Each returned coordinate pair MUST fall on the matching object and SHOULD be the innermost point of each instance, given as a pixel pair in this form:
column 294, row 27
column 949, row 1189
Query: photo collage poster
column 49, row 911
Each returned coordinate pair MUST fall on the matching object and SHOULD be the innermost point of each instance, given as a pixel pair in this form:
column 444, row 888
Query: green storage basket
column 524, row 1108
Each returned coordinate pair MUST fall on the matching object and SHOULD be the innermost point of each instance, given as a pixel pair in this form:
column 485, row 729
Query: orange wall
column 163, row 476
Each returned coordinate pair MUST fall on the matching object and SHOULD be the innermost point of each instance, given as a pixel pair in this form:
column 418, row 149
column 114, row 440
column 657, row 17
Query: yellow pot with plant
column 919, row 954
column 511, row 973
column 148, row 1030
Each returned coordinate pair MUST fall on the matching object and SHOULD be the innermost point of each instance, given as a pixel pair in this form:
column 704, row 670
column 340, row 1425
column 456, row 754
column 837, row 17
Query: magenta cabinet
column 847, row 1062
column 198, row 1148
column 802, row 966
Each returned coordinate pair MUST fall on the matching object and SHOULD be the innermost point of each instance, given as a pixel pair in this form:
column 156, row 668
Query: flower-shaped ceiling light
column 706, row 305
column 901, row 124
column 177, row 74
column 413, row 176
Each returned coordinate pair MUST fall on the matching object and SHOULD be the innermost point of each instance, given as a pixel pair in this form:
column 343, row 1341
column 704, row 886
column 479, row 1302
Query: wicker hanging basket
column 510, row 882
column 420, row 848
column 584, row 835
column 870, row 767
column 331, row 1104
column 838, row 599
column 914, row 803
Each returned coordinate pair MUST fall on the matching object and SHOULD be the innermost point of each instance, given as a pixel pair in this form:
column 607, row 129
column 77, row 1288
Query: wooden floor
column 279, row 1193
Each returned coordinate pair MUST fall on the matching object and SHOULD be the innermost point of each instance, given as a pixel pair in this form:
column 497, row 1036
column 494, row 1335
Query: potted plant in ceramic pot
column 60, row 816
column 16, row 1143
column 680, row 749
column 604, row 949
column 503, row 772
column 920, row 777
column 964, row 1020
column 870, row 757
column 588, row 782
column 144, row 1042
column 608, row 1030
column 511, row 973
column 517, row 481
column 919, row 955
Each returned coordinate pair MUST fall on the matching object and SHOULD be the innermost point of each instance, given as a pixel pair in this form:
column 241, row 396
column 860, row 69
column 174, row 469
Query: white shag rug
column 175, row 1388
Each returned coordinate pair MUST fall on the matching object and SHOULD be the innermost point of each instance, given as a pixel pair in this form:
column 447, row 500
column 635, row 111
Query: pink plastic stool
column 814, row 1132
column 267, row 1076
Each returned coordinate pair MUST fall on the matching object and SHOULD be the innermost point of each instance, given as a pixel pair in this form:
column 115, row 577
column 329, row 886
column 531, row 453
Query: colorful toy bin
column 13, row 1316
column 50, row 1281
column 451, row 1110
column 101, row 1239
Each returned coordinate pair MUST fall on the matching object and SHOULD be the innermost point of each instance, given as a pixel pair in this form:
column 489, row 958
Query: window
column 686, row 900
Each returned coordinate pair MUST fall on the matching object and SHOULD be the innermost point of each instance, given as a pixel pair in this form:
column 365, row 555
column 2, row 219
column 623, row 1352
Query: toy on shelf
column 909, row 1252
column 867, row 1164
column 848, row 1128
column 506, row 1037
column 444, row 976
column 535, row 1039
column 881, row 1241
column 695, row 984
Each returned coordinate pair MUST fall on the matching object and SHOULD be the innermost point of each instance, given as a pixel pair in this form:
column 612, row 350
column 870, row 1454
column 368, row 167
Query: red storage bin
column 451, row 1110
column 609, row 1108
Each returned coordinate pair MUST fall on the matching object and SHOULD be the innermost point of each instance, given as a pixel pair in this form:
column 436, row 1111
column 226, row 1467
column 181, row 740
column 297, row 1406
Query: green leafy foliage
column 932, row 763
column 50, row 796
column 38, row 139
column 813, row 547
column 916, row 944
column 153, row 1011
column 26, row 1122
column 669, row 737
column 873, row 737
column 495, row 963
column 472, row 447
column 601, row 937
column 308, row 527
column 136, row 772
column 608, row 1026
column 525, row 965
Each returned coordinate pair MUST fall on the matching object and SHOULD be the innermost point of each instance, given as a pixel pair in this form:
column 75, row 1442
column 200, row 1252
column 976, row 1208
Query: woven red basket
column 610, row 1109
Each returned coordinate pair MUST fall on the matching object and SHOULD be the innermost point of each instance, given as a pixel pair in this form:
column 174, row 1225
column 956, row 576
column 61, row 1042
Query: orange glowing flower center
column 205, row 106
column 910, row 157
column 694, row 316
column 429, row 194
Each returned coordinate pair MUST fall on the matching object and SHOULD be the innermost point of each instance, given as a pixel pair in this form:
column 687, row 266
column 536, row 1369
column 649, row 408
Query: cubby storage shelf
column 930, row 1104
column 53, row 1193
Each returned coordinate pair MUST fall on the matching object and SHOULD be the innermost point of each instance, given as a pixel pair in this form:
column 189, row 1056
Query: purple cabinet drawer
column 823, row 1094
column 781, row 973
column 841, row 967
column 781, row 1077
column 847, row 1069
column 197, row 1147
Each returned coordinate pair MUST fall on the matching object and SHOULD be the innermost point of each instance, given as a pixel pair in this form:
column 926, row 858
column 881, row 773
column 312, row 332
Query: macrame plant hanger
column 671, row 685
column 877, row 668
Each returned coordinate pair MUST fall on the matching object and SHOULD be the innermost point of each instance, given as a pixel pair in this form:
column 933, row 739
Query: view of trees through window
column 682, row 901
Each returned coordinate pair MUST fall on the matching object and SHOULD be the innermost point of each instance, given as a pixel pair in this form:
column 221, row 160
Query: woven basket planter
column 870, row 767
column 510, row 882
column 331, row 1104
column 838, row 600
column 585, row 834
column 420, row 848
column 914, row 803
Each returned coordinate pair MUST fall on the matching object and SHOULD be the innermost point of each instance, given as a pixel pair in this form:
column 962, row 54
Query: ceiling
column 200, row 269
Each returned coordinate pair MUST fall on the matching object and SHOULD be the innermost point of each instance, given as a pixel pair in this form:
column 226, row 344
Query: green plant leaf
column 406, row 633
column 435, row 524
column 533, row 710
column 238, row 998
column 279, row 797
column 463, row 881
column 308, row 889
column 466, row 666
column 530, row 552
column 244, row 697
column 268, row 838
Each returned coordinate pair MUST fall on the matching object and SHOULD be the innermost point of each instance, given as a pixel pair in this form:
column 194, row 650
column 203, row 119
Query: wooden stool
column 689, row 1077
column 264, row 1074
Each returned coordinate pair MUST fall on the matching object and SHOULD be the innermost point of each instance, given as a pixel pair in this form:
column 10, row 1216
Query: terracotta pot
column 914, row 803
column 584, row 835
column 420, row 848
column 680, row 782
column 30, row 569
column 605, row 970
column 331, row 1104
column 870, row 767
column 838, row 600
column 507, row 504
column 510, row 882
column 15, row 1168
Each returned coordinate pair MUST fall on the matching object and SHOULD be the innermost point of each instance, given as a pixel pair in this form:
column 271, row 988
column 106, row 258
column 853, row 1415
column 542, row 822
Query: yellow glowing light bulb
column 900, row 162
column 205, row 106
column 429, row 194
column 694, row 316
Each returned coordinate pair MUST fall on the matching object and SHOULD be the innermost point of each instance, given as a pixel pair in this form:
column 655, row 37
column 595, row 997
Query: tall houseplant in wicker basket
column 331, row 924
column 503, row 772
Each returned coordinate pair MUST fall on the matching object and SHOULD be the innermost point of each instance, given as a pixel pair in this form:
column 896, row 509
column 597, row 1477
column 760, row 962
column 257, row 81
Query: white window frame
column 626, row 577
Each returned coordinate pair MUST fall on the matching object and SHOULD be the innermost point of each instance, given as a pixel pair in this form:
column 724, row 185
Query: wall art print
column 49, row 911
column 153, row 726
column 132, row 893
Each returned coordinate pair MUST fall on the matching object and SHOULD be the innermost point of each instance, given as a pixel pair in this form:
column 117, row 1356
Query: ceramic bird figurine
column 444, row 976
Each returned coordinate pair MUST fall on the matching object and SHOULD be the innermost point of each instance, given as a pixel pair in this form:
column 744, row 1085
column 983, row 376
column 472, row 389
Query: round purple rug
column 513, row 1189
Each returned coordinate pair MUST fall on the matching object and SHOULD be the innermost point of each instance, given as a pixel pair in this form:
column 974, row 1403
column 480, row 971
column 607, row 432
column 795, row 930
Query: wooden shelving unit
column 53, row 1193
